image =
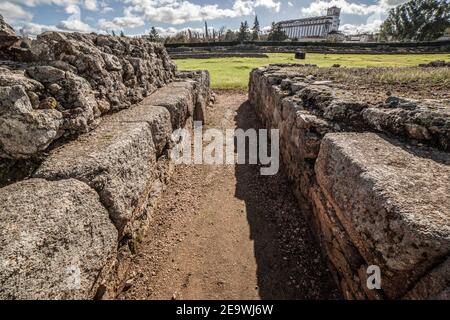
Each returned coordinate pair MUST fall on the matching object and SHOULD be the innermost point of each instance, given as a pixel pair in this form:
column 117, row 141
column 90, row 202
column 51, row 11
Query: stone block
column 56, row 238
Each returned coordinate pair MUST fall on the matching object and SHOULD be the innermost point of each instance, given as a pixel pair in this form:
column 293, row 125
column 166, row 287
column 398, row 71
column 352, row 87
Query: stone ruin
column 373, row 180
column 98, row 112
column 64, row 82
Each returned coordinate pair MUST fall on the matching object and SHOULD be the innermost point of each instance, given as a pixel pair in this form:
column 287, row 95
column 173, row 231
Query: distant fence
column 311, row 44
column 319, row 47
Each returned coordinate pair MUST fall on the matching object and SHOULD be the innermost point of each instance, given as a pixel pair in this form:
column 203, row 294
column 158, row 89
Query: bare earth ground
column 226, row 232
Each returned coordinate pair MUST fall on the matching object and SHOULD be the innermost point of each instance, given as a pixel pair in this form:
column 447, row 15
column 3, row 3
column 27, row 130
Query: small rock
column 54, row 88
column 34, row 99
column 48, row 103
column 128, row 284
column 324, row 82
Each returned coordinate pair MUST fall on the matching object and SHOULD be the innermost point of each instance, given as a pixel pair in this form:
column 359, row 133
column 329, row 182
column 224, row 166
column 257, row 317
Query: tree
column 154, row 35
column 419, row 20
column 122, row 35
column 113, row 33
column 179, row 37
column 244, row 32
column 221, row 33
column 206, row 31
column 256, row 30
column 276, row 33
column 230, row 35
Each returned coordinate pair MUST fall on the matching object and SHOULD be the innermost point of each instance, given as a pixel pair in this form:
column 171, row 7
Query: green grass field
column 233, row 73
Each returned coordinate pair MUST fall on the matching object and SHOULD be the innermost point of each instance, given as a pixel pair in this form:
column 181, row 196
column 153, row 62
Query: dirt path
column 226, row 232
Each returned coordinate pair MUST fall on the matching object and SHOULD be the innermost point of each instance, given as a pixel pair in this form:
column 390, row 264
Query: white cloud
column 266, row 29
column 370, row 27
column 34, row 3
column 33, row 29
column 392, row 3
column 129, row 21
column 91, row 5
column 14, row 13
column 105, row 7
column 269, row 4
column 75, row 26
column 173, row 31
column 73, row 22
column 72, row 9
column 318, row 8
column 106, row 10
column 179, row 11
column 21, row 18
column 246, row 7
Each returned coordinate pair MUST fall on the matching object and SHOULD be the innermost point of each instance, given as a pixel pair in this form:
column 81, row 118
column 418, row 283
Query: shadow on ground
column 289, row 263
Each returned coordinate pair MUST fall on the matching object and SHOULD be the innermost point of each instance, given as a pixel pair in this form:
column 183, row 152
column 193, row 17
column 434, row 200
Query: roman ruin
column 375, row 193
column 98, row 111
column 90, row 198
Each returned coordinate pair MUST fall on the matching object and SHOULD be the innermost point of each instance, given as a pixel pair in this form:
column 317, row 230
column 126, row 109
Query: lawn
column 232, row 73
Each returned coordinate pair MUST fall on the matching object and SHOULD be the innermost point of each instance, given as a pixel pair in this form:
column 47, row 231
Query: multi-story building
column 315, row 27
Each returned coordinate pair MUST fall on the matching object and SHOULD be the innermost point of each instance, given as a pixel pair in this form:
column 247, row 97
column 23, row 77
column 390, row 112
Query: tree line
column 244, row 33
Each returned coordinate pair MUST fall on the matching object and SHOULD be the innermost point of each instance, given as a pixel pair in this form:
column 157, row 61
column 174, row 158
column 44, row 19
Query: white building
column 315, row 27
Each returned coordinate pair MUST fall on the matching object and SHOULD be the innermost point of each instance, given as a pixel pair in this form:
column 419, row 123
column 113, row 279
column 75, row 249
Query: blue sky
column 169, row 16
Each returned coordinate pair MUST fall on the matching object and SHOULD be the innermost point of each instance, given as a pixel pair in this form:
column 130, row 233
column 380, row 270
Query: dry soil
column 226, row 232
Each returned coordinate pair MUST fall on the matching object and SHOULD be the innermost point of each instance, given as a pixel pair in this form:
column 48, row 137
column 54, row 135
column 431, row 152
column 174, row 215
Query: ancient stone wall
column 372, row 189
column 70, row 229
column 60, row 84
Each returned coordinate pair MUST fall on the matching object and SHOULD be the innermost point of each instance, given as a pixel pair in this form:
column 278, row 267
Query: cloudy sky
column 136, row 17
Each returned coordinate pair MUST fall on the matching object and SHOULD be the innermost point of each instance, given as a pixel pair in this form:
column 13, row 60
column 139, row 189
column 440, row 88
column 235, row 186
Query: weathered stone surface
column 7, row 34
column 72, row 94
column 76, row 86
column 202, row 95
column 10, row 77
column 121, row 70
column 6, row 29
column 87, row 76
column 56, row 238
column 157, row 117
column 170, row 107
column 23, row 130
column 394, row 204
column 394, row 211
column 117, row 160
column 178, row 99
column 426, row 122
column 83, row 76
column 435, row 285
